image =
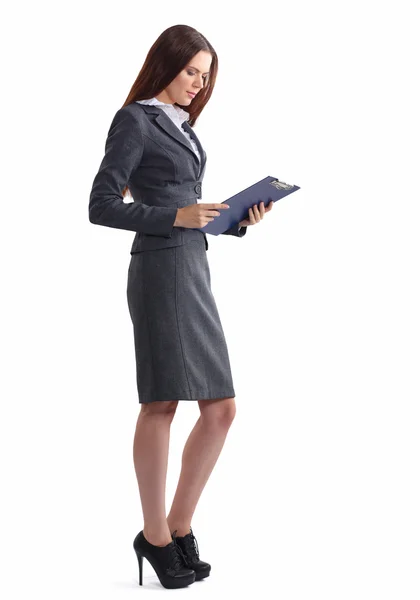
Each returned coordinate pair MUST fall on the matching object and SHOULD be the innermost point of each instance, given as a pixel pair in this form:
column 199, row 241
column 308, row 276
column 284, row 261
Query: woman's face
column 190, row 79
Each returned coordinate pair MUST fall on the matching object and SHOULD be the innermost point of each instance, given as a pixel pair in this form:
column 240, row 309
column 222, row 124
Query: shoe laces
column 177, row 558
column 190, row 545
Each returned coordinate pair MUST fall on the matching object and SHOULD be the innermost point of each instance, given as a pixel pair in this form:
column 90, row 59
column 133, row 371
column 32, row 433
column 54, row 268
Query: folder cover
column 265, row 190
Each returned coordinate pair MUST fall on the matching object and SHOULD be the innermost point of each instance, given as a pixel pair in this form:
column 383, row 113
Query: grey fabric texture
column 180, row 347
column 145, row 150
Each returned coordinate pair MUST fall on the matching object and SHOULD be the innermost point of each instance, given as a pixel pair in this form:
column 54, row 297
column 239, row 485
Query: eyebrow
column 198, row 70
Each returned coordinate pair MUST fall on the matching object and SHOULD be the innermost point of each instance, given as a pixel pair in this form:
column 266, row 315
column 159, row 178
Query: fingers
column 252, row 215
column 211, row 212
column 256, row 212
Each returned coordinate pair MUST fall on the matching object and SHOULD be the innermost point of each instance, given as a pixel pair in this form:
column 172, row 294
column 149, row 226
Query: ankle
column 180, row 529
column 157, row 537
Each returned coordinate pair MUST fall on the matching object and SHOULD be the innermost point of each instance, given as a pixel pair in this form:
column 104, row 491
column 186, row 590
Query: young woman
column 181, row 353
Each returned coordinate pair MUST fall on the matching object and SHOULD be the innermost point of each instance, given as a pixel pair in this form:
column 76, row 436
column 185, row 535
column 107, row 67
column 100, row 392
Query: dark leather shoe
column 167, row 561
column 189, row 547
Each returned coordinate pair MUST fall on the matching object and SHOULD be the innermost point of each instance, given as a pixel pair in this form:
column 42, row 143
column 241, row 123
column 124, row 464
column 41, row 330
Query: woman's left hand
column 256, row 214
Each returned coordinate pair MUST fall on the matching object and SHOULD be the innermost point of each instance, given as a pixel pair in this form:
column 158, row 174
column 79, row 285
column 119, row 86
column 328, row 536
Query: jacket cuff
column 236, row 230
column 161, row 221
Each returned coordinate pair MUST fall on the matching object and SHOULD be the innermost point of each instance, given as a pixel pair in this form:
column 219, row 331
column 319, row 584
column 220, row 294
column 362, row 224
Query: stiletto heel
column 167, row 561
column 140, row 559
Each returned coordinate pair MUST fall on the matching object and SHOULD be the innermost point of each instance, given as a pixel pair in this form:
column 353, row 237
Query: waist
column 180, row 235
column 168, row 194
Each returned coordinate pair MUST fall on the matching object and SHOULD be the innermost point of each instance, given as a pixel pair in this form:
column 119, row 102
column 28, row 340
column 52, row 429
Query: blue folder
column 265, row 190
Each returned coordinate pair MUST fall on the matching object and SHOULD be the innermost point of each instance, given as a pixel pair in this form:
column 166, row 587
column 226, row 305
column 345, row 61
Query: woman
column 181, row 353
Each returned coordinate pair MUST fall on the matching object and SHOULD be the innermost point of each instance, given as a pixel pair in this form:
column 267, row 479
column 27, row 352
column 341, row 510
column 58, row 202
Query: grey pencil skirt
column 180, row 347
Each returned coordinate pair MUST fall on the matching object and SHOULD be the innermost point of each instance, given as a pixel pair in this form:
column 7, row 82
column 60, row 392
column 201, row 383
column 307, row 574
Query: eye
column 192, row 73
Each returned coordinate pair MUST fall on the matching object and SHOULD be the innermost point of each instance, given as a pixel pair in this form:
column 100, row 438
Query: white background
column 316, row 492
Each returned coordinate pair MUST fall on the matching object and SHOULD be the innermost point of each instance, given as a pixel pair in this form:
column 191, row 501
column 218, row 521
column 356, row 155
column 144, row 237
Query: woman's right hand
column 197, row 215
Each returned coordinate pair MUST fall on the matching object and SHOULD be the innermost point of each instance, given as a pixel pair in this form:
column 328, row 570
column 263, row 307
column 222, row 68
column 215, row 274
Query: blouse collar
column 182, row 114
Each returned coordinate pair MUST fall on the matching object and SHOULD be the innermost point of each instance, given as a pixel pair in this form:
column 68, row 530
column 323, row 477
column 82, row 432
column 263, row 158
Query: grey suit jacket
column 145, row 150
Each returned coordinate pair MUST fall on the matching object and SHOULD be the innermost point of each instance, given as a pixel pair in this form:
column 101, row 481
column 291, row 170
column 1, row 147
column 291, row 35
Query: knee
column 218, row 413
column 159, row 410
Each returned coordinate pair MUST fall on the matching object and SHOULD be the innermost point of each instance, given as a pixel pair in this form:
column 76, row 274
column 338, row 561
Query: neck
column 163, row 97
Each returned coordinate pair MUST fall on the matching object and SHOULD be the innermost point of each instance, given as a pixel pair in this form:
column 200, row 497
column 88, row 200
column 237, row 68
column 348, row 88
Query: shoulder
column 134, row 110
column 128, row 118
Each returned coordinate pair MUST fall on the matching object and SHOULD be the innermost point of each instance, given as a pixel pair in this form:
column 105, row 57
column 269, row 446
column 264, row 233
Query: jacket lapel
column 192, row 133
column 168, row 126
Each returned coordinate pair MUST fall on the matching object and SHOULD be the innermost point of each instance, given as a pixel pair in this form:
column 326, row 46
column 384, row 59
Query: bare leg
column 200, row 454
column 150, row 454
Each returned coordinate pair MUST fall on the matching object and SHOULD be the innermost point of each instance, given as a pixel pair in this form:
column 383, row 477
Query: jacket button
column 198, row 188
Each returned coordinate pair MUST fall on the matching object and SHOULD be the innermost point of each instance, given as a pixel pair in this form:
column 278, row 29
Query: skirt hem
column 196, row 397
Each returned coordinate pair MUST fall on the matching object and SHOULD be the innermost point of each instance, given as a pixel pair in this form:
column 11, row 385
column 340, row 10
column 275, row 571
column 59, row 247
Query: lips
column 192, row 93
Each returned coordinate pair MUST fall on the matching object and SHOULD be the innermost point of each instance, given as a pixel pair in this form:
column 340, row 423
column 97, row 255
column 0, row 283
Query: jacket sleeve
column 123, row 152
column 236, row 230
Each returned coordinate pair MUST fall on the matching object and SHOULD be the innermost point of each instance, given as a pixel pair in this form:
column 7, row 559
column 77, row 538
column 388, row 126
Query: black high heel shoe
column 189, row 547
column 167, row 561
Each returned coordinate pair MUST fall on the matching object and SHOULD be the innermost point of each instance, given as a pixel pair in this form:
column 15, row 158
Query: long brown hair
column 170, row 53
